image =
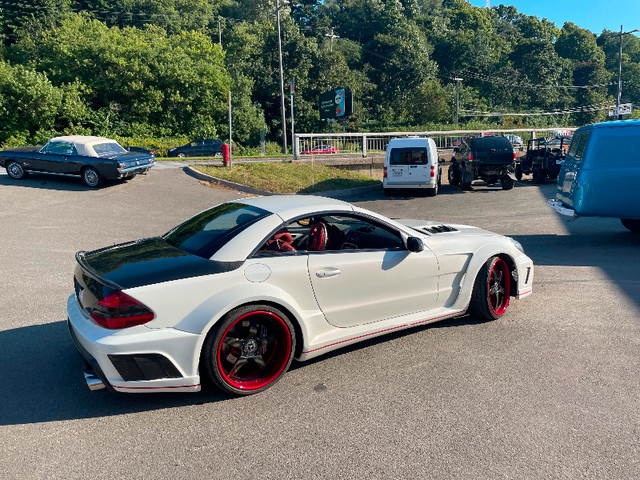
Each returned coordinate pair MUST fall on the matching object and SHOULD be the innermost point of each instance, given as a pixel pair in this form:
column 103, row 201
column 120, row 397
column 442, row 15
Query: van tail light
column 433, row 171
column 384, row 173
column 471, row 157
column 515, row 157
column 119, row 310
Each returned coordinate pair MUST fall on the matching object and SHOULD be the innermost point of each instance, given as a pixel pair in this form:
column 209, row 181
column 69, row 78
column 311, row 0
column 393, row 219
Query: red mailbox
column 224, row 148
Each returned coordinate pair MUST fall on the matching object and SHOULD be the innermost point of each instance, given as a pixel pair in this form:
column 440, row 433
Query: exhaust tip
column 93, row 382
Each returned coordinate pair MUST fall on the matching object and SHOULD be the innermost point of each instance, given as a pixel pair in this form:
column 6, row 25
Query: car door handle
column 328, row 272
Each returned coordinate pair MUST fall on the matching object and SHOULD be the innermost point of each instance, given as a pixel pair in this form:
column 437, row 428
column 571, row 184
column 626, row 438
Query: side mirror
column 414, row 244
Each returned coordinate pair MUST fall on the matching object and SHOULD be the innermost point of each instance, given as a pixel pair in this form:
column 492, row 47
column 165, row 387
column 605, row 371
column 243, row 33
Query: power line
column 503, row 82
column 583, row 109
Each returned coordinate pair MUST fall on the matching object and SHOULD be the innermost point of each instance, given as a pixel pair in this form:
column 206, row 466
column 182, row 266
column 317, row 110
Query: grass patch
column 280, row 177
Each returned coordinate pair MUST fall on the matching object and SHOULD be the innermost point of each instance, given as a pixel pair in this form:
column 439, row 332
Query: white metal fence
column 307, row 144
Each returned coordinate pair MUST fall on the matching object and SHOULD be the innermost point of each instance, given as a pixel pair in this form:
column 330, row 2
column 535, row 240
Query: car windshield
column 204, row 234
column 108, row 148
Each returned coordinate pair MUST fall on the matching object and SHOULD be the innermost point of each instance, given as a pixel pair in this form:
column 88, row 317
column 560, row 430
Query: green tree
column 174, row 16
column 29, row 104
column 174, row 83
column 579, row 45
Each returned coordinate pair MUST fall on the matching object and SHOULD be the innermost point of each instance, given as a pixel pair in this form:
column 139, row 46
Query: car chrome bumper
column 136, row 169
column 560, row 208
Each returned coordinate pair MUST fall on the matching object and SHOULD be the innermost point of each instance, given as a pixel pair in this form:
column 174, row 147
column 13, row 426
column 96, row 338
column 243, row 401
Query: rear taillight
column 433, row 171
column 119, row 310
column 514, row 156
column 470, row 157
column 384, row 173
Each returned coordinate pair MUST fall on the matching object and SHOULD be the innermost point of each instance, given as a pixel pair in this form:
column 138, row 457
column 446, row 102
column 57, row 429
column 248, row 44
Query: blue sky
column 594, row 15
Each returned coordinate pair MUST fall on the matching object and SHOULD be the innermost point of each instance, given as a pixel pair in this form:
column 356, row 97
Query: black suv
column 206, row 147
column 490, row 158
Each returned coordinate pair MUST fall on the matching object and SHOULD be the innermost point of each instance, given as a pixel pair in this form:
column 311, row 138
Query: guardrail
column 307, row 144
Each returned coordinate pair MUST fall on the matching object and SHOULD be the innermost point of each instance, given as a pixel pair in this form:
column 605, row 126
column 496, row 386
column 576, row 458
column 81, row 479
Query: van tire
column 633, row 225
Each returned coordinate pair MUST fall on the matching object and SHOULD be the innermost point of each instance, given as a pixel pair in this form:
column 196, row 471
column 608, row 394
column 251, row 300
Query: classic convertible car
column 237, row 291
column 94, row 159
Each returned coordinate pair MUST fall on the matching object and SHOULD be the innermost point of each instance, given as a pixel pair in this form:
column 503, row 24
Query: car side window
column 574, row 145
column 59, row 148
column 334, row 233
column 584, row 139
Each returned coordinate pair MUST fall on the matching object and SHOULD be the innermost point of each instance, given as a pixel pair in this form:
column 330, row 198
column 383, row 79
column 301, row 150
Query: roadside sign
column 336, row 103
column 623, row 109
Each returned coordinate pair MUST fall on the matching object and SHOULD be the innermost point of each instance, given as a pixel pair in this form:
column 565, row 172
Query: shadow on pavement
column 42, row 381
column 53, row 182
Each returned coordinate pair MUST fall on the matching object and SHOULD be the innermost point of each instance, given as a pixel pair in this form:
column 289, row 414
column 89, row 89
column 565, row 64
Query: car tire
column 492, row 290
column 181, row 155
column 538, row 174
column 453, row 175
column 15, row 170
column 249, row 350
column 432, row 192
column 507, row 183
column 91, row 177
column 518, row 172
column 631, row 224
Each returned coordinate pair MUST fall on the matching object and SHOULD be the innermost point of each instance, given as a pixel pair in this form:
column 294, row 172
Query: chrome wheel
column 91, row 177
column 15, row 170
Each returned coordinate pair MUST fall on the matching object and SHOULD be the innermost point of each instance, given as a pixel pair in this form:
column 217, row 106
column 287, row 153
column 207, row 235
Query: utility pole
column 457, row 80
column 331, row 37
column 284, row 121
column 619, row 96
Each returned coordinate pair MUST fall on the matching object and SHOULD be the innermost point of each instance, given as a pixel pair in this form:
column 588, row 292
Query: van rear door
column 408, row 165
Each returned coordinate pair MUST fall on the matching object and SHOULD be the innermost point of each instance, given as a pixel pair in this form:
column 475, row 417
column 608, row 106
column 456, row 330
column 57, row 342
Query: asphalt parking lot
column 551, row 390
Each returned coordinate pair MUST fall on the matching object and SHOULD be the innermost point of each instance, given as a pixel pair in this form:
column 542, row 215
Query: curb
column 192, row 172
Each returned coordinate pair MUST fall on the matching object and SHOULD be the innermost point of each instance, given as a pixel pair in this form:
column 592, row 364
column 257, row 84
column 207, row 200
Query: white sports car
column 239, row 290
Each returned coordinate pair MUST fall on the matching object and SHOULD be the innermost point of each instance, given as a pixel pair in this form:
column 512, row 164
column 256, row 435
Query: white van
column 412, row 163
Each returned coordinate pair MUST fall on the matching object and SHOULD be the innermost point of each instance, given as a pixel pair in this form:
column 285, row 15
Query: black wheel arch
column 511, row 264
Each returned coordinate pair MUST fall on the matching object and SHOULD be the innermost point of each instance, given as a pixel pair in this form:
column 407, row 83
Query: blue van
column 600, row 176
